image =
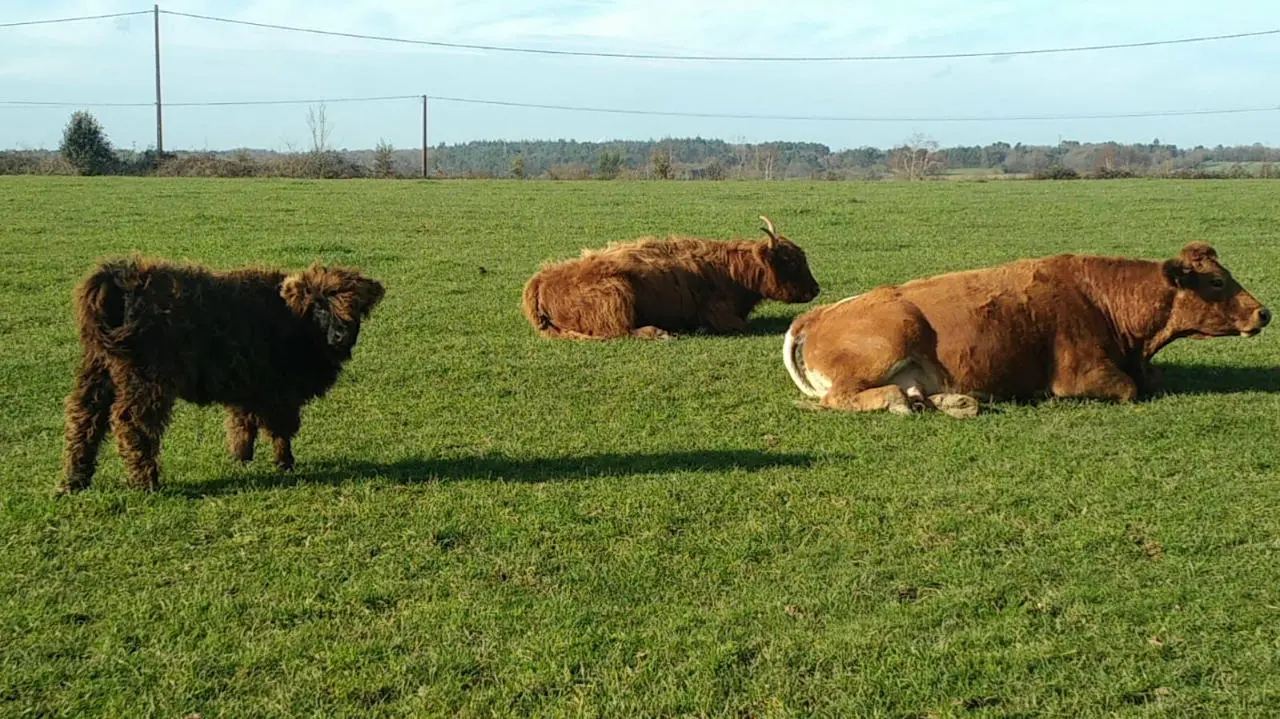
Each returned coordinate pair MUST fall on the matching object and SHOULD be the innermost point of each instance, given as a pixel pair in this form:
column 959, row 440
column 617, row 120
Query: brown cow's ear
column 1178, row 272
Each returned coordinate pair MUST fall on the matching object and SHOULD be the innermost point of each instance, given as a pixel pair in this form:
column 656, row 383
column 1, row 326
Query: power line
column 661, row 56
column 725, row 58
column 668, row 113
column 80, row 18
column 213, row 103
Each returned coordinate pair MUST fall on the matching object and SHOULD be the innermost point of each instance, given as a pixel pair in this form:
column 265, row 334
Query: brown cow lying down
column 652, row 288
column 1067, row 326
column 260, row 342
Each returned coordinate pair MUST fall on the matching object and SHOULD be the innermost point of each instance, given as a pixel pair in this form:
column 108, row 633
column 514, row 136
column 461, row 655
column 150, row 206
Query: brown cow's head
column 787, row 275
column 335, row 298
column 1209, row 302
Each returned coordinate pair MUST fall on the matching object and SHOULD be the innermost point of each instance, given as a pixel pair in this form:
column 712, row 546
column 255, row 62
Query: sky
column 104, row 61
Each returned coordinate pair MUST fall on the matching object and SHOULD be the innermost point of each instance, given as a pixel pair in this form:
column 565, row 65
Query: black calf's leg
column 281, row 426
column 88, row 410
column 139, row 418
column 242, row 432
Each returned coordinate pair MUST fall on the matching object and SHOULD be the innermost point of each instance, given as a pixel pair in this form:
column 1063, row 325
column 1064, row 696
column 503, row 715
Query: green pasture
column 485, row 523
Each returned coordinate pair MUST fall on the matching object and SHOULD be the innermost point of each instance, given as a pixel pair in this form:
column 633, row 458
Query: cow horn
column 768, row 227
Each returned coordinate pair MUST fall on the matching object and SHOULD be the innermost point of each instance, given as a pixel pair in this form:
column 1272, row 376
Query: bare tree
column 768, row 160
column 318, row 124
column 740, row 154
column 917, row 158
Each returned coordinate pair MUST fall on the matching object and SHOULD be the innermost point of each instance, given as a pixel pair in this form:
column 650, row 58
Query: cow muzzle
column 1261, row 319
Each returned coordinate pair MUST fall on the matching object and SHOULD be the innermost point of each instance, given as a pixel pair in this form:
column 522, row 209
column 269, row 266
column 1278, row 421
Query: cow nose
column 1264, row 316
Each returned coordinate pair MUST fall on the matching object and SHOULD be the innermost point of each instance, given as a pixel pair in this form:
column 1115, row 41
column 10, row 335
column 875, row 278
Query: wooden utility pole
column 424, row 135
column 159, row 111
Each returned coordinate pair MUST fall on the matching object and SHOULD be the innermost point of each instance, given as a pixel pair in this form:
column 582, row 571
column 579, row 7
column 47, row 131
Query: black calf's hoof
column 71, row 485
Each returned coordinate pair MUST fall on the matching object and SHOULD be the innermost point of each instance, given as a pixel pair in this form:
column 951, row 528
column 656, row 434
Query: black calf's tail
column 107, row 302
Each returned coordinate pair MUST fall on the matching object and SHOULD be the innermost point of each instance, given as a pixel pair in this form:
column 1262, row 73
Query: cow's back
column 998, row 327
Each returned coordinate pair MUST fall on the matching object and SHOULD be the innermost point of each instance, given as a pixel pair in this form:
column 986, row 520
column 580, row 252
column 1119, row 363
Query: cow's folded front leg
column 853, row 398
column 1100, row 381
column 720, row 318
column 1152, row 378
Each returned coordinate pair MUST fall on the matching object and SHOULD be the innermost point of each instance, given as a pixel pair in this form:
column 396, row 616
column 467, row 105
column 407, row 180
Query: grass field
column 485, row 523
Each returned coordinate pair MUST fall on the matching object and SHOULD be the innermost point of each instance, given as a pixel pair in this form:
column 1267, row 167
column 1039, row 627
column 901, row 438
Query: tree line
column 85, row 149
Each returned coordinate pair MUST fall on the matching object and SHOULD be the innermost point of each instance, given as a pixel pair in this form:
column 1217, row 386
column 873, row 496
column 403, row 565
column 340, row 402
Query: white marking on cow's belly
column 820, row 382
column 910, row 375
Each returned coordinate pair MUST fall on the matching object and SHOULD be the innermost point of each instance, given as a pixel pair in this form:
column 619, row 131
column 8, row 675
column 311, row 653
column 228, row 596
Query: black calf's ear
column 369, row 294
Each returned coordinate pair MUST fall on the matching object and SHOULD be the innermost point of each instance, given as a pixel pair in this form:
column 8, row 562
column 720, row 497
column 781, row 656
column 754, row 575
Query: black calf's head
column 336, row 299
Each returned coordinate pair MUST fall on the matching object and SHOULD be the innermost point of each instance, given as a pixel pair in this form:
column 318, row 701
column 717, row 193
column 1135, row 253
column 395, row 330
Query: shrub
column 661, row 163
column 86, row 147
column 1113, row 173
column 34, row 162
column 1056, row 172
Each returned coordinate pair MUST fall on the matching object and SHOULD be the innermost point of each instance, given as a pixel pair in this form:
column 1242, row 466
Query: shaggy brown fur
column 652, row 288
column 260, row 342
column 1069, row 326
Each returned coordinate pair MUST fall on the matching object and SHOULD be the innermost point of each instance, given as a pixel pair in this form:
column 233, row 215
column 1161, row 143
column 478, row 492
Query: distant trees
column 86, row 147
column 609, row 165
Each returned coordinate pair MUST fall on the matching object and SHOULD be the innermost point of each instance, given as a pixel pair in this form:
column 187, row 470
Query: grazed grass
column 486, row 523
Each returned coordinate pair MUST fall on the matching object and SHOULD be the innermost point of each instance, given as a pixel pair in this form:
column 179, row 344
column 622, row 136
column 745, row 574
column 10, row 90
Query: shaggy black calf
column 261, row 342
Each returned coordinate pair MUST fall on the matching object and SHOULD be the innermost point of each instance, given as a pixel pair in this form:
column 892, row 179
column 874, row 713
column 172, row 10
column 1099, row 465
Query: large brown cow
column 651, row 288
column 1066, row 326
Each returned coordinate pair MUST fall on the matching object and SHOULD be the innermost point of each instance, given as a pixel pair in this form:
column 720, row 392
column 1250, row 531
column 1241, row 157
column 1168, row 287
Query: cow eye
column 1217, row 283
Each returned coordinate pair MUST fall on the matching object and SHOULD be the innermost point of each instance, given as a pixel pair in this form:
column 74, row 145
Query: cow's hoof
column 916, row 401
column 652, row 333
column 960, row 406
column 809, row 404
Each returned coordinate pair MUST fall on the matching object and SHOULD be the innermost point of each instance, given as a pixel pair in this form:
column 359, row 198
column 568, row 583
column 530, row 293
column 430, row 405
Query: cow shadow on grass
column 768, row 326
column 500, row 468
column 1213, row 379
